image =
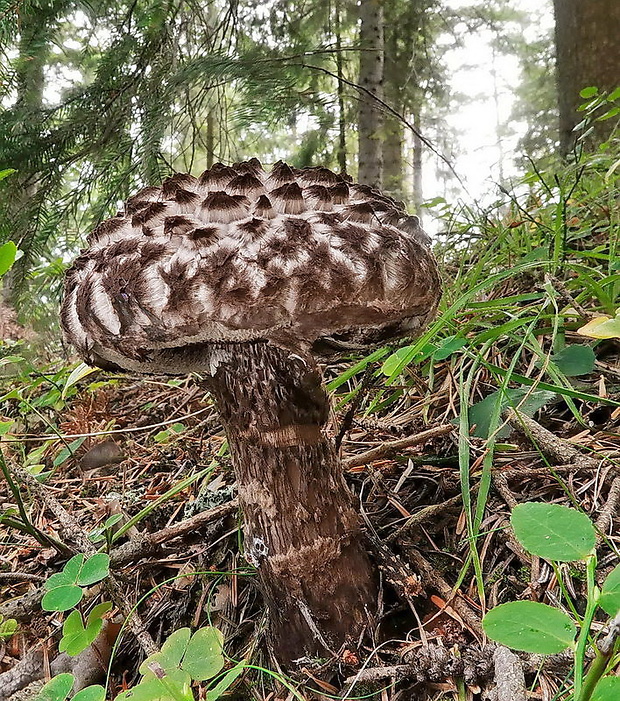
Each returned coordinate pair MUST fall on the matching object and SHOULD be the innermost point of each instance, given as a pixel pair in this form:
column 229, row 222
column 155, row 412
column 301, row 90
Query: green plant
column 8, row 253
column 59, row 688
column 76, row 636
column 65, row 589
column 561, row 534
column 8, row 627
column 167, row 675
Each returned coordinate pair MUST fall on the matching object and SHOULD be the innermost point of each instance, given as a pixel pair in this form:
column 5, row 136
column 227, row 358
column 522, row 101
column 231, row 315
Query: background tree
column 370, row 122
column 588, row 54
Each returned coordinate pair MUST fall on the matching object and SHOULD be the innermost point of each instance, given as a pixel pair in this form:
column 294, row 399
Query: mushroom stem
column 301, row 530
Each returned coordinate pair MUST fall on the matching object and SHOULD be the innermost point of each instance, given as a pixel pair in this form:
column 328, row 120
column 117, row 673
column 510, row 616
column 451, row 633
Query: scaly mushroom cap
column 302, row 258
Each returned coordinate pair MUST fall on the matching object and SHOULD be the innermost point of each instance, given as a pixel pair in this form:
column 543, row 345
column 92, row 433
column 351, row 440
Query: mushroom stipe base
column 301, row 530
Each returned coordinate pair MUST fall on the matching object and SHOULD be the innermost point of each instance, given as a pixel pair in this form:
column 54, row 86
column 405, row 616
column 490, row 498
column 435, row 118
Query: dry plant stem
column 77, row 534
column 387, row 449
column 522, row 472
column 606, row 516
column 553, row 447
column 301, row 530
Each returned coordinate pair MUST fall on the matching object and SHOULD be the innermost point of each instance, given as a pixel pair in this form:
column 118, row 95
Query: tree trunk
column 393, row 167
column 588, row 54
column 371, row 78
column 418, row 195
column 342, row 120
column 301, row 530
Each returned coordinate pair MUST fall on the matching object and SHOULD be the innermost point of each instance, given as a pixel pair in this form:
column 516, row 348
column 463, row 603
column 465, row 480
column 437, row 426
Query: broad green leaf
column 8, row 251
column 609, row 598
column 152, row 689
column 73, row 567
column 614, row 95
column 397, row 362
column 530, row 626
column 575, row 360
column 203, row 658
column 91, row 693
column 5, row 427
column 98, row 612
column 528, row 402
column 6, row 172
column 226, row 681
column 62, row 598
column 67, row 451
column 77, row 637
column 8, row 359
column 553, row 531
column 601, row 327
column 588, row 92
column 78, row 373
column 608, row 689
column 94, row 569
column 449, row 346
column 56, row 689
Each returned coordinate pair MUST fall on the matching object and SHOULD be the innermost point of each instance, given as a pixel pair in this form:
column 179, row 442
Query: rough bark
column 301, row 530
column 370, row 121
column 588, row 54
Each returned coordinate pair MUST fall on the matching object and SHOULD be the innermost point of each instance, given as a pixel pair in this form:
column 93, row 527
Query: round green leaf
column 75, row 637
column 203, row 658
column 608, row 689
column 60, row 579
column 171, row 654
column 609, row 599
column 530, row 626
column 97, row 613
column 56, row 689
column 91, row 693
column 553, row 531
column 62, row 598
column 8, row 628
column 94, row 569
column 73, row 568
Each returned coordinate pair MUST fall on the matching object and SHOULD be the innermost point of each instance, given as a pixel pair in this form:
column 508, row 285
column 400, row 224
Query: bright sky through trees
column 471, row 68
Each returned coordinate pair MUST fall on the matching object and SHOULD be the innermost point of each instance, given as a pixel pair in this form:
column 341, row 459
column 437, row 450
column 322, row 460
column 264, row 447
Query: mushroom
column 245, row 277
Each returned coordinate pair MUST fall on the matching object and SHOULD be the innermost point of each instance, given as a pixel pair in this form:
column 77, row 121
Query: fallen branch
column 558, row 449
column 387, row 449
column 509, row 676
column 431, row 578
column 426, row 514
column 146, row 544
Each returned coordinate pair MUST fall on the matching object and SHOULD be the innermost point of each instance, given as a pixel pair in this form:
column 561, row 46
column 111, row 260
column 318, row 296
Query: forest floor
column 503, row 401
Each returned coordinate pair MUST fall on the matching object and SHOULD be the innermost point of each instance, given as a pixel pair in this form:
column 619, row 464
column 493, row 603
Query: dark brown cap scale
column 297, row 257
